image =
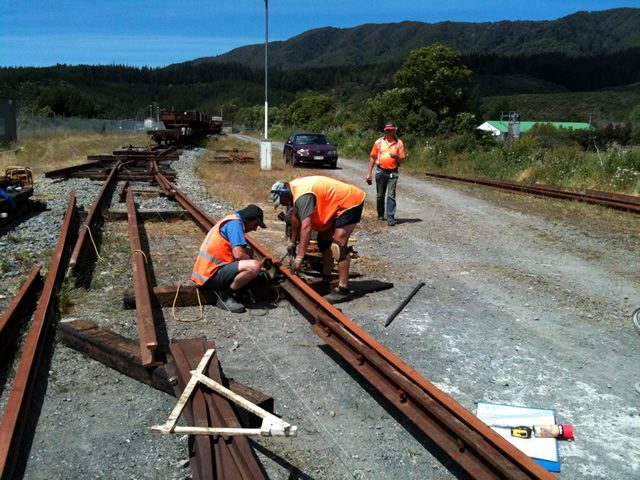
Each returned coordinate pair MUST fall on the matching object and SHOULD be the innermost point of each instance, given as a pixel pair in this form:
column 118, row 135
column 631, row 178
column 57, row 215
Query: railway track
column 475, row 447
column 616, row 201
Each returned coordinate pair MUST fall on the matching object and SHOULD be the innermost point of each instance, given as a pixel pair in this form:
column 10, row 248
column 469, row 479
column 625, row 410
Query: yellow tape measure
column 521, row 432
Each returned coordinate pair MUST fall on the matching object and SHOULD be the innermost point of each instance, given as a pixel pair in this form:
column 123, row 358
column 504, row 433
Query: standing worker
column 224, row 261
column 331, row 208
column 387, row 154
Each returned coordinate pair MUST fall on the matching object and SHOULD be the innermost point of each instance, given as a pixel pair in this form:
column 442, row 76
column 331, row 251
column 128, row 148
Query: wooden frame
column 271, row 425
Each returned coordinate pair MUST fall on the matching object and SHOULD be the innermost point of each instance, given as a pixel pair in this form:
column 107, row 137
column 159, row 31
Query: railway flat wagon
column 185, row 127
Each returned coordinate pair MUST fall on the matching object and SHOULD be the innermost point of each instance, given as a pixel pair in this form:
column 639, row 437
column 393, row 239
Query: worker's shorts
column 350, row 216
column 223, row 277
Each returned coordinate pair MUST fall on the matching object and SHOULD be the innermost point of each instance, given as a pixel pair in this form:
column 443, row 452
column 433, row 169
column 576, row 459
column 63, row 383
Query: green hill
column 563, row 68
column 579, row 34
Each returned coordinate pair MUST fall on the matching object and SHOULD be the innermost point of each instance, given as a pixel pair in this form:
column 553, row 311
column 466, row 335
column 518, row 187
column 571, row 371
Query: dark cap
column 389, row 126
column 252, row 212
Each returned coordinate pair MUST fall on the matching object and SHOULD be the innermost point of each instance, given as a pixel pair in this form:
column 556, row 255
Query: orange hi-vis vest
column 332, row 198
column 215, row 252
column 382, row 151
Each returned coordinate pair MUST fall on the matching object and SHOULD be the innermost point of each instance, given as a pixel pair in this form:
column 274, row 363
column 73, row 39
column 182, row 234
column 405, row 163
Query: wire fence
column 41, row 125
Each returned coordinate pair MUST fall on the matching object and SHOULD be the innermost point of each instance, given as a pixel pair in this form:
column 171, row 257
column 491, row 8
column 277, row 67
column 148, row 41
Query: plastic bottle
column 561, row 432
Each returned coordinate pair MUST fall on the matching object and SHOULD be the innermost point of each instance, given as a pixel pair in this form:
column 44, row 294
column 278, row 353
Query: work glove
column 297, row 264
column 291, row 248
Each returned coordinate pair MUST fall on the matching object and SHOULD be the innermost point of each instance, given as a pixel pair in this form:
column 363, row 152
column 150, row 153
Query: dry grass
column 43, row 153
column 242, row 183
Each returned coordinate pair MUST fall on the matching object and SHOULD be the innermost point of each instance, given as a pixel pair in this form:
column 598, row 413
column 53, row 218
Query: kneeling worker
column 224, row 261
column 331, row 208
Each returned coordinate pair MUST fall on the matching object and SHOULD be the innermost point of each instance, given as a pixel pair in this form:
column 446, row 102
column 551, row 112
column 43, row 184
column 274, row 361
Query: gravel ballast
column 527, row 302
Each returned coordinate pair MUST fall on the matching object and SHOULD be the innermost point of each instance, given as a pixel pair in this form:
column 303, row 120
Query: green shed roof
column 524, row 126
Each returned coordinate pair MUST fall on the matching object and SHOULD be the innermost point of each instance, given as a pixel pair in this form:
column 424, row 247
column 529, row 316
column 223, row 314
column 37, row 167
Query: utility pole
column 265, row 145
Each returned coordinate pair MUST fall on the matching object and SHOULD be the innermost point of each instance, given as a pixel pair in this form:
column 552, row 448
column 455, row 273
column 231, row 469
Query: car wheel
column 284, row 158
column 334, row 164
column 294, row 161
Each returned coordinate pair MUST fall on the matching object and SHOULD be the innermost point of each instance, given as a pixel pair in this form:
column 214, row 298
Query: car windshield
column 311, row 139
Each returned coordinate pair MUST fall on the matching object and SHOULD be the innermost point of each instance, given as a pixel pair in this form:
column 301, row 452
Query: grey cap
column 277, row 190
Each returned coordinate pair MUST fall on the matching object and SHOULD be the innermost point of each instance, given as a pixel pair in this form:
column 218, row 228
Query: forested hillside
column 577, row 35
column 512, row 64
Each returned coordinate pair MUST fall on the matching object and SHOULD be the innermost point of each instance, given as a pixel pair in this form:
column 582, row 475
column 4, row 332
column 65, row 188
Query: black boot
column 226, row 301
column 338, row 294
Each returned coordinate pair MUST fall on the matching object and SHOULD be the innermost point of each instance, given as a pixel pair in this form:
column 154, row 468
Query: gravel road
column 527, row 302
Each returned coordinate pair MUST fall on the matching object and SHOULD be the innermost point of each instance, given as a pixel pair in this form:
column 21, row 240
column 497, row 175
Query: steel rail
column 80, row 262
column 68, row 171
column 605, row 199
column 467, row 440
column 204, row 221
column 144, row 309
column 20, row 398
column 20, row 307
column 139, row 158
column 234, row 457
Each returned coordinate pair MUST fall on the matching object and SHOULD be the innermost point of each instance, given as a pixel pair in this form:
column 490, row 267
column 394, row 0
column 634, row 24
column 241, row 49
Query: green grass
column 530, row 159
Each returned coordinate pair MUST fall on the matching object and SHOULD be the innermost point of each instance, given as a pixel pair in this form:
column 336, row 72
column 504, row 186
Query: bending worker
column 387, row 154
column 224, row 261
column 331, row 208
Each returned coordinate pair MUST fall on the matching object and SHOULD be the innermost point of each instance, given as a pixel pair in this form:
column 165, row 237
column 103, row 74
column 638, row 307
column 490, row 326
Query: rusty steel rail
column 144, row 309
column 68, row 171
column 204, row 221
column 83, row 256
column 211, row 457
column 20, row 398
column 20, row 309
column 606, row 199
column 466, row 439
column 137, row 158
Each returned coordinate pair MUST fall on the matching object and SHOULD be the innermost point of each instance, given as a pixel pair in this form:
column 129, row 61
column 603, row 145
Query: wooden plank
column 115, row 351
column 166, row 294
column 123, row 355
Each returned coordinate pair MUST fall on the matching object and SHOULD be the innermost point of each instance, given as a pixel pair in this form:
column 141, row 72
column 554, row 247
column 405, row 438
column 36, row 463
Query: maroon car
column 309, row 147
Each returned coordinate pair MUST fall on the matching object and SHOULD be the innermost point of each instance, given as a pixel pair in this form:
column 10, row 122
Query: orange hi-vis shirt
column 332, row 198
column 214, row 253
column 382, row 151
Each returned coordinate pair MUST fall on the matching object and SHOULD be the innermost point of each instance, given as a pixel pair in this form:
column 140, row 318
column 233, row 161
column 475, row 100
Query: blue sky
column 160, row 32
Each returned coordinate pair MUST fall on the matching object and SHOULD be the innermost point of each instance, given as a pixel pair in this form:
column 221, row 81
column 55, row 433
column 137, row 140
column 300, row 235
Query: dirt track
column 527, row 302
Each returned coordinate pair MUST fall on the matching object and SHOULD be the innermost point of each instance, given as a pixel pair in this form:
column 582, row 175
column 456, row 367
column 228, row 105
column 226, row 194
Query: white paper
column 508, row 415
